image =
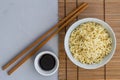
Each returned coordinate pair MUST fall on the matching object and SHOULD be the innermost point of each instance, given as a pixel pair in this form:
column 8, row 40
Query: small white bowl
column 40, row 70
column 106, row 59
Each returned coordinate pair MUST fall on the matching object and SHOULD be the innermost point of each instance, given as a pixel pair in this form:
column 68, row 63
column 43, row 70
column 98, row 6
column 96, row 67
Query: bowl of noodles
column 90, row 43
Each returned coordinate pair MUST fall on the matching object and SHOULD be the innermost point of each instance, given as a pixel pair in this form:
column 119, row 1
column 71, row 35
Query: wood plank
column 71, row 68
column 112, row 16
column 95, row 9
column 61, row 10
column 62, row 56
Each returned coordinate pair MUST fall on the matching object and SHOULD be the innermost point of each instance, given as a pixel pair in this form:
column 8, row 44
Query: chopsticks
column 59, row 26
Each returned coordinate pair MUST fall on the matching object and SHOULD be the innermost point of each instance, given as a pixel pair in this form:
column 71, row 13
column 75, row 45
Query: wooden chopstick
column 40, row 38
column 45, row 41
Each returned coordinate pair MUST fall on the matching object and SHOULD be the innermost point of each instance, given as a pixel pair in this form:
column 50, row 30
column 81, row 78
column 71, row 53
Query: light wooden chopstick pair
column 54, row 30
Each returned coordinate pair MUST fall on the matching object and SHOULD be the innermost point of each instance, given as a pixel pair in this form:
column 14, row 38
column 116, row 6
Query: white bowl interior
column 40, row 70
column 106, row 59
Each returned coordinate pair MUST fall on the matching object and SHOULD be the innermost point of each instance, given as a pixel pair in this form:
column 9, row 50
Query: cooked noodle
column 90, row 42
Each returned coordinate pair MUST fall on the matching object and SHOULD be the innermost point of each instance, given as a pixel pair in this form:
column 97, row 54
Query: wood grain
column 107, row 10
column 62, row 55
column 71, row 68
column 95, row 9
column 112, row 16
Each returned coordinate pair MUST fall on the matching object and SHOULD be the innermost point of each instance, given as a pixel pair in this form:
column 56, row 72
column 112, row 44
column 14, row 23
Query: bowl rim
column 38, row 69
column 72, row 27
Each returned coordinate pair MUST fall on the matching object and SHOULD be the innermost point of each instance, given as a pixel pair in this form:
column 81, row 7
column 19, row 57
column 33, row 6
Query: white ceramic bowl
column 106, row 59
column 40, row 70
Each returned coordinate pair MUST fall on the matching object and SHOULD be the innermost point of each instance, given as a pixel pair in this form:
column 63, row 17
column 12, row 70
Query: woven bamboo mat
column 107, row 10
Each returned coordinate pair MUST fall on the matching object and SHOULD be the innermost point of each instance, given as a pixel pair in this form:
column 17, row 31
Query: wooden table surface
column 107, row 10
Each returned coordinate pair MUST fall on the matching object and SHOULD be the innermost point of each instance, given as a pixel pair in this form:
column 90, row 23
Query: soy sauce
column 47, row 62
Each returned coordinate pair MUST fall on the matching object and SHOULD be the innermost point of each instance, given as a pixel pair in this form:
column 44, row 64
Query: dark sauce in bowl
column 47, row 62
